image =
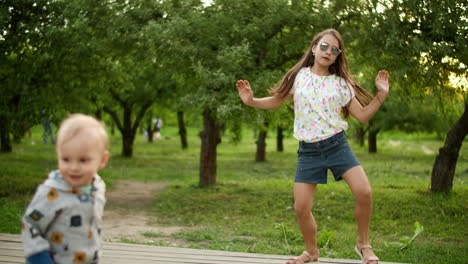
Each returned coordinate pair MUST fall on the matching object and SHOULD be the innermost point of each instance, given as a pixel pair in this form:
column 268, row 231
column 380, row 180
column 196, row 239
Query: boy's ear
column 104, row 159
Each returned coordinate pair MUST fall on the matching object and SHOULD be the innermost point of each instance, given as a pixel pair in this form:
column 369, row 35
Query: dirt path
column 126, row 217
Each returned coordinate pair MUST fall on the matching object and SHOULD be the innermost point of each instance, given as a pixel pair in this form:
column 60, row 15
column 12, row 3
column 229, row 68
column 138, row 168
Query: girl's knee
column 364, row 194
column 302, row 210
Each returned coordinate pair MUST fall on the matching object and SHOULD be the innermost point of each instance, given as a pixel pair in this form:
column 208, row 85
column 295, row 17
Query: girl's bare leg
column 359, row 184
column 303, row 201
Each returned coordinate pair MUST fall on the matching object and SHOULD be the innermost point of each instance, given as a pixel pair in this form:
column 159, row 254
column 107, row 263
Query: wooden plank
column 11, row 260
column 11, row 251
column 207, row 254
column 11, row 246
column 194, row 259
column 10, row 237
column 188, row 251
column 173, row 259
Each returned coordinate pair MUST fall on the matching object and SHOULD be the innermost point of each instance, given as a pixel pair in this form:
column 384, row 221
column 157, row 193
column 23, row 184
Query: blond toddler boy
column 62, row 223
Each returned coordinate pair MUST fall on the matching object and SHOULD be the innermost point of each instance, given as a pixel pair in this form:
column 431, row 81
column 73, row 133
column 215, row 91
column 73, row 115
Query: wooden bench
column 11, row 251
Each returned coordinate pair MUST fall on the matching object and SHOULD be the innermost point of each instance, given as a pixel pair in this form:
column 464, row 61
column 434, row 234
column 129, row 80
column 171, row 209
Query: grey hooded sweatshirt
column 64, row 221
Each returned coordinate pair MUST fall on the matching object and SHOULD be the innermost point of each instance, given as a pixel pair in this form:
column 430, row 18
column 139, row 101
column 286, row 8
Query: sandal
column 305, row 257
column 365, row 260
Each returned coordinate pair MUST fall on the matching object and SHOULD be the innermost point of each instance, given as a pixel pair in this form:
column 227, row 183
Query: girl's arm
column 246, row 95
column 364, row 114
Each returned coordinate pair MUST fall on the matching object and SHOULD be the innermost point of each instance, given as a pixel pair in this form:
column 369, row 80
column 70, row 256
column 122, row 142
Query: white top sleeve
column 347, row 92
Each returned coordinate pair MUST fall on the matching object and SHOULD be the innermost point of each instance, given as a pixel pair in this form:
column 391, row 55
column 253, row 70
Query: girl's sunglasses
column 334, row 50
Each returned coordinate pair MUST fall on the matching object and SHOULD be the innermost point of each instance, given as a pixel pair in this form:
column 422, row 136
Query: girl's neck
column 322, row 71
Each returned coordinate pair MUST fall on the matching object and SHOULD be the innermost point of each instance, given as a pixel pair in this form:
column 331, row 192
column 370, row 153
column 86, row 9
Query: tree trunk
column 127, row 145
column 279, row 139
column 128, row 135
column 182, row 129
column 445, row 163
column 98, row 114
column 112, row 128
column 149, row 130
column 210, row 139
column 127, row 129
column 359, row 135
column 18, row 135
column 5, row 140
column 372, row 138
column 261, row 144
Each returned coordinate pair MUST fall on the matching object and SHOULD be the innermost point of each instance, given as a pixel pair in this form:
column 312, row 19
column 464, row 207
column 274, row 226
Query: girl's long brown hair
column 340, row 68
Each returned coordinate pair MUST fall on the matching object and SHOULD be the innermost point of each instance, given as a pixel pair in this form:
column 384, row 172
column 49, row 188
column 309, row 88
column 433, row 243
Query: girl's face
column 326, row 51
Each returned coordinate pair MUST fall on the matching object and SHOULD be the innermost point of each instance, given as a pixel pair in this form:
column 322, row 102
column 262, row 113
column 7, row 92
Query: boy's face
column 80, row 158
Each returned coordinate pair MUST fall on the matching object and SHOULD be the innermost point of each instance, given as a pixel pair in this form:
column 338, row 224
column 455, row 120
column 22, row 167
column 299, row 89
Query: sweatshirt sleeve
column 37, row 218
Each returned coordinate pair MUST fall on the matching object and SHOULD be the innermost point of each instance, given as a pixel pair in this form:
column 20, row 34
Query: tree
column 277, row 32
column 176, row 37
column 254, row 39
column 425, row 45
column 25, row 65
column 131, row 77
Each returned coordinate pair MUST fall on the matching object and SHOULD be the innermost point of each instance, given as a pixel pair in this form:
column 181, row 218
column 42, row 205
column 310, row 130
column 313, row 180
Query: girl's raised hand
column 245, row 92
column 381, row 82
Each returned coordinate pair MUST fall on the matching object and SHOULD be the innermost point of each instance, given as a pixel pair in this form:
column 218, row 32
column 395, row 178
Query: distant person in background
column 47, row 126
column 157, row 128
column 323, row 88
column 62, row 224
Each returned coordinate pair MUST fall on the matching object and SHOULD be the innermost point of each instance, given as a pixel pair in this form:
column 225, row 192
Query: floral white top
column 318, row 101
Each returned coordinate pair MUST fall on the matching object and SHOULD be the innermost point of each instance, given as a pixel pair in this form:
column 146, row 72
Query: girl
column 323, row 88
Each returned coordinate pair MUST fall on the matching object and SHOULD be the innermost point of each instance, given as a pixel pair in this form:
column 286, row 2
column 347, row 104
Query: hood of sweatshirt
column 55, row 180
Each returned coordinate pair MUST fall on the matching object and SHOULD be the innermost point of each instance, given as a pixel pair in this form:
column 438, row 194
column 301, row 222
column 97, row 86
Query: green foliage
column 406, row 241
column 429, row 35
column 12, row 211
column 24, row 63
column 251, row 210
column 86, row 55
column 421, row 43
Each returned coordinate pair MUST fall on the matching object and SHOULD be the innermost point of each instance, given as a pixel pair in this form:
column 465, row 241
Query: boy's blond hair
column 77, row 123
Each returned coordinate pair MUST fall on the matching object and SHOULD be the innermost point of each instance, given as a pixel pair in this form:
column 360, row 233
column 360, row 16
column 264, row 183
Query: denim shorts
column 315, row 158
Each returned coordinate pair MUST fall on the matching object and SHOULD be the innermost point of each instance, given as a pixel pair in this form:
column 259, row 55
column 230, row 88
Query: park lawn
column 251, row 207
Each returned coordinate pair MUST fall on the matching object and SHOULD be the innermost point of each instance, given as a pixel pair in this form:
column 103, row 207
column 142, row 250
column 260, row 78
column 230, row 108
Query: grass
column 251, row 207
